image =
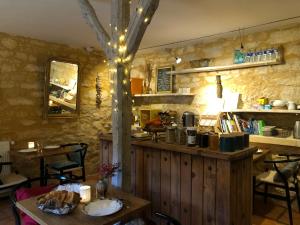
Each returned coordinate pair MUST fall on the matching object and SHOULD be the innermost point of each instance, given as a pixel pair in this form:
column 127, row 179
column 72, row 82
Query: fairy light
column 124, row 81
column 122, row 38
column 125, row 92
column 140, row 10
column 116, row 101
column 108, row 43
column 125, row 30
column 122, row 48
column 115, row 46
column 146, row 20
column 104, row 60
column 116, row 28
column 111, row 91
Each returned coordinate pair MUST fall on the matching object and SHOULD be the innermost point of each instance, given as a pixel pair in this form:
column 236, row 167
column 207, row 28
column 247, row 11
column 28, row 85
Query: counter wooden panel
column 196, row 186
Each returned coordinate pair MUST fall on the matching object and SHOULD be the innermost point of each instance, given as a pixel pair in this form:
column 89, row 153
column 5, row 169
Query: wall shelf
column 228, row 67
column 263, row 111
column 162, row 95
column 289, row 141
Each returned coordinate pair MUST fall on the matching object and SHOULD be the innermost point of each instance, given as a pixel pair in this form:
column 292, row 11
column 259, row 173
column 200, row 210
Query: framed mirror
column 61, row 89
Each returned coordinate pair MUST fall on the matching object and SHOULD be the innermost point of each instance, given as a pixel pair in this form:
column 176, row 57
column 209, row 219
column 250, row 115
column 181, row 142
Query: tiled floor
column 272, row 213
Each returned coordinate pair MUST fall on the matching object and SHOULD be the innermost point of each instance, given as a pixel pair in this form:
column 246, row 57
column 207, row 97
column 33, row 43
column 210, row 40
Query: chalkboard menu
column 164, row 80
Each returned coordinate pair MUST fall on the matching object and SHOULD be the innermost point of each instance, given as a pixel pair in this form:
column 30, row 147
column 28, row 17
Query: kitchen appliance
column 188, row 119
column 297, row 130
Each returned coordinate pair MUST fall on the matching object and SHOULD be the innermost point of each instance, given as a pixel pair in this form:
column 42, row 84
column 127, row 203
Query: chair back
column 5, row 157
column 79, row 152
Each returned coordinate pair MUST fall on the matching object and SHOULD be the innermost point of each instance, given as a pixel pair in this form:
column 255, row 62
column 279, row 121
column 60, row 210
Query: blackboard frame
column 165, row 71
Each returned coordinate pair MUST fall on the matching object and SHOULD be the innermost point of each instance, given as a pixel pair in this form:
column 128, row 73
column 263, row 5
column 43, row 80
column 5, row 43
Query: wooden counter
column 195, row 185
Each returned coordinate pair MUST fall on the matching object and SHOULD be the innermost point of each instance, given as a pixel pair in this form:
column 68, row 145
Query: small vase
column 101, row 188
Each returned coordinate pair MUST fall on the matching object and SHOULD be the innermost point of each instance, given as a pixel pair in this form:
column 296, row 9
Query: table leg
column 42, row 172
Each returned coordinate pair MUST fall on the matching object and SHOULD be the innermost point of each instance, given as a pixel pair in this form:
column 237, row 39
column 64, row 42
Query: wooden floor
column 272, row 213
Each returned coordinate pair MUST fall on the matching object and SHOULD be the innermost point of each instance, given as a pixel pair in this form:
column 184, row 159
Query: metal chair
column 74, row 161
column 8, row 178
column 284, row 178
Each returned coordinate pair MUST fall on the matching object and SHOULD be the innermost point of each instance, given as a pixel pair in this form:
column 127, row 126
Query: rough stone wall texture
column 22, row 71
column 274, row 82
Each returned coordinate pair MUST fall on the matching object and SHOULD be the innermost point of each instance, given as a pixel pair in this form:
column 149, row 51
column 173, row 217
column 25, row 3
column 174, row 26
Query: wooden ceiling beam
column 138, row 25
column 91, row 18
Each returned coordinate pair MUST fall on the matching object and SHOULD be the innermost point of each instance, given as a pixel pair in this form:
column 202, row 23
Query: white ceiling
column 176, row 20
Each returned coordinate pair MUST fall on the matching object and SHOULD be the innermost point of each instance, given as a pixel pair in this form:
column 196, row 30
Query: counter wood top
column 205, row 152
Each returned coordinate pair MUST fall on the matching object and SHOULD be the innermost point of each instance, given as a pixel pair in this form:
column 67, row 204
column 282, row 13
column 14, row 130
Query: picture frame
column 164, row 79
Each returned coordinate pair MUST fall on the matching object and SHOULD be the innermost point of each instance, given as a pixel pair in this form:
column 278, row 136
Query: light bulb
column 146, row 20
column 140, row 10
column 178, row 60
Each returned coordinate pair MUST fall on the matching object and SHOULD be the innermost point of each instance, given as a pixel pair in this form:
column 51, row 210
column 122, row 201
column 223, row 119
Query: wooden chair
column 74, row 161
column 284, row 178
column 8, row 178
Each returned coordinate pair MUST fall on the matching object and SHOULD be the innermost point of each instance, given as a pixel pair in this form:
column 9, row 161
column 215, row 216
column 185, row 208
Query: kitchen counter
column 194, row 185
column 188, row 150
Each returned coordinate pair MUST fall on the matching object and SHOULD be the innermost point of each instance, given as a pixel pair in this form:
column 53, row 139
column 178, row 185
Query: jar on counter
column 171, row 134
column 191, row 136
column 181, row 135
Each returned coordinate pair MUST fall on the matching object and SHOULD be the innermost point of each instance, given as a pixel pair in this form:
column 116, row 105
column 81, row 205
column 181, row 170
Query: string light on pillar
column 146, row 20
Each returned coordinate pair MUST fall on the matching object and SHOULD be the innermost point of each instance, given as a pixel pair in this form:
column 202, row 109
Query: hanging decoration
column 98, row 91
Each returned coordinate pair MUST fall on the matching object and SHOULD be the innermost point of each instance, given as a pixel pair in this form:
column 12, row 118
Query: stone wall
column 274, row 82
column 22, row 72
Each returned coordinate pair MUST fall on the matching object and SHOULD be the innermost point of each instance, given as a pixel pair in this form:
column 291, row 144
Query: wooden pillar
column 120, row 48
column 121, row 122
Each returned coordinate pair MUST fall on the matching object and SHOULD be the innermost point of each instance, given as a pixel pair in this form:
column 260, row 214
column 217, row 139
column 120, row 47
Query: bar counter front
column 194, row 185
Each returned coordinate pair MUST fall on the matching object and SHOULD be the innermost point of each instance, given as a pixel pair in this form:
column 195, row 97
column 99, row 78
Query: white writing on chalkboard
column 164, row 80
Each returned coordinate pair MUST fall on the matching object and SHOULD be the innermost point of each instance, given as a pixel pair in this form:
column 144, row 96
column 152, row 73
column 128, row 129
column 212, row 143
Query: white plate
column 102, row 207
column 28, row 150
column 51, row 146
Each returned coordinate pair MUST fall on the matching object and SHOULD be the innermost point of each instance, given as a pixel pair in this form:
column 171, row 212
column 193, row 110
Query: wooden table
column 259, row 156
column 41, row 156
column 133, row 208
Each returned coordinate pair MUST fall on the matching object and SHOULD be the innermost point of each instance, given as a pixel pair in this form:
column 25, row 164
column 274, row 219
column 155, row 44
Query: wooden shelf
column 263, row 111
column 289, row 141
column 162, row 95
column 228, row 67
column 62, row 102
column 61, row 86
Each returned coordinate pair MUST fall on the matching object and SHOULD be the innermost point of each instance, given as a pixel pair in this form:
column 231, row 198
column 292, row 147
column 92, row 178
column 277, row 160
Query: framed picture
column 164, row 80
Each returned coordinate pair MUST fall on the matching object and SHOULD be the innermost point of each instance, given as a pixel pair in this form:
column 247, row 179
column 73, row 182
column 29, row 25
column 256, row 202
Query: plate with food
column 28, row 150
column 103, row 207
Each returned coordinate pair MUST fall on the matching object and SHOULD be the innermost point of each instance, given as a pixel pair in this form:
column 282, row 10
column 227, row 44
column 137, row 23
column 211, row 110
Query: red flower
column 108, row 169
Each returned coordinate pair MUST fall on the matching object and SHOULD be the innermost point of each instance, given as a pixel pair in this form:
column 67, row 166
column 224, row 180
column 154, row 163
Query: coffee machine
column 188, row 119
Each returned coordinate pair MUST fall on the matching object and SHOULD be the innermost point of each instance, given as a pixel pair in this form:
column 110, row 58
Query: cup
column 291, row 106
column 31, row 144
column 203, row 140
column 85, row 193
column 213, row 141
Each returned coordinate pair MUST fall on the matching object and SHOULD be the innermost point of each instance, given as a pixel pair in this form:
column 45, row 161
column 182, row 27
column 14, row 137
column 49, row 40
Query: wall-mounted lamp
column 178, row 60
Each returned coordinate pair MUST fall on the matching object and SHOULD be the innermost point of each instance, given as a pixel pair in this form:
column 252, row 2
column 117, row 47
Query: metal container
column 297, row 130
column 188, row 119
